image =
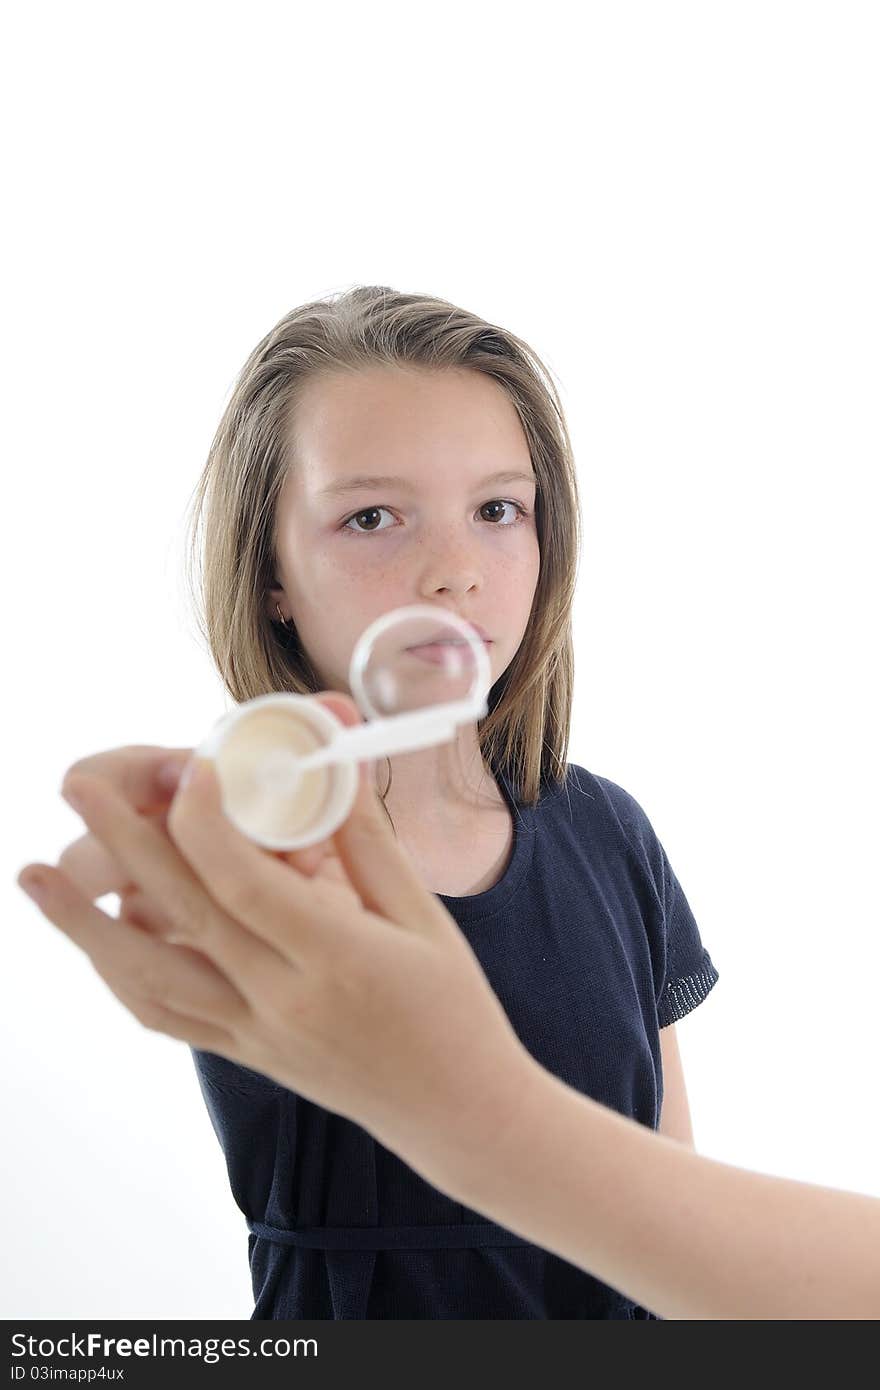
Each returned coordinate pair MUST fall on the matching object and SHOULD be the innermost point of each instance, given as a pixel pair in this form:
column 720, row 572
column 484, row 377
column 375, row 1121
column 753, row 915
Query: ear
column 275, row 599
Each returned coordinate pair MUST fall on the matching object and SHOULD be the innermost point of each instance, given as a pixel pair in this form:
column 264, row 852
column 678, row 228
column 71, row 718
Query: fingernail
column 187, row 775
column 168, row 776
column 35, row 886
column 75, row 800
column 192, row 769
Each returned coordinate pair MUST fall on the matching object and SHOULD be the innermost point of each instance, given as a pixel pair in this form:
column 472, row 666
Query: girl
column 382, row 449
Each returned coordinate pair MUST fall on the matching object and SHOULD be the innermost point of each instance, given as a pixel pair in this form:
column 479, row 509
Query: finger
column 137, row 772
column 135, row 963
column 379, row 870
column 140, row 909
column 92, row 868
column 151, row 860
column 302, row 918
column 160, row 1019
column 366, row 854
column 90, row 865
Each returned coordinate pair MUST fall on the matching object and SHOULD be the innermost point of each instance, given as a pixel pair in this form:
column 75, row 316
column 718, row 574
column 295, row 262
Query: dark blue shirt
column 590, row 944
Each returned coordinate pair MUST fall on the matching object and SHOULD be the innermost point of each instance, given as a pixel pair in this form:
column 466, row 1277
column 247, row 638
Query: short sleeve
column 689, row 973
column 685, row 972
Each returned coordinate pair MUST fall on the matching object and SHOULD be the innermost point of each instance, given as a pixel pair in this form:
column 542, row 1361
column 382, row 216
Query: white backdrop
column 677, row 206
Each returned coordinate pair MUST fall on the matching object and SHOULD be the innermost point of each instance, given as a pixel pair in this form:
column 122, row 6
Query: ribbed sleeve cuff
column 682, row 995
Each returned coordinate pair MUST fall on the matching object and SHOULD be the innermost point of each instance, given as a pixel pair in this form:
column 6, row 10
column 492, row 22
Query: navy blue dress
column 590, row 944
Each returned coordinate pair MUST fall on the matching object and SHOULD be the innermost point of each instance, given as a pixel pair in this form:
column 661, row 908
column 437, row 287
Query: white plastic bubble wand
column 277, row 771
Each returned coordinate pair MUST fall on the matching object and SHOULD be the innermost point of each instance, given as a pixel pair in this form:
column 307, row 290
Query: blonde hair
column 525, row 732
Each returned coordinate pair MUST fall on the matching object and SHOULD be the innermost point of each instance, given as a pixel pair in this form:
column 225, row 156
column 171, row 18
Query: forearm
column 681, row 1234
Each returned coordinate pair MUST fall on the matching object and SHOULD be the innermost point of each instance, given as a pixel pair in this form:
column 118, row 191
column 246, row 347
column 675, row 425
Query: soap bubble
column 417, row 657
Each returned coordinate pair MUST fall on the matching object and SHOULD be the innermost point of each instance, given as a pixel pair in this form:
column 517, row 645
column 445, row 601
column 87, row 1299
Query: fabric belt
column 389, row 1237
column 351, row 1234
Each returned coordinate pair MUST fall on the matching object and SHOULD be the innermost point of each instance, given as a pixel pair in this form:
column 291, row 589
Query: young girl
column 382, row 449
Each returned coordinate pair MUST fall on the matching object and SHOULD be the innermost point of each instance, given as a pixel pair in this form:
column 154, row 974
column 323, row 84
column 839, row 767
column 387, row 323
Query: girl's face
column 392, row 500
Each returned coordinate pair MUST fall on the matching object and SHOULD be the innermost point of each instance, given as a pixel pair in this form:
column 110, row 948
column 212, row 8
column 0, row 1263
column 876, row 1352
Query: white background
column 676, row 205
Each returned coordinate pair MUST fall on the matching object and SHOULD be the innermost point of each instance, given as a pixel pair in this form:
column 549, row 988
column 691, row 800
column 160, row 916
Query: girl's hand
column 357, row 991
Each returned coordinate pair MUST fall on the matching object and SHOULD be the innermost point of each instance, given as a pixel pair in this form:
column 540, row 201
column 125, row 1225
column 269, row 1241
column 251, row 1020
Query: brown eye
column 358, row 516
column 519, row 512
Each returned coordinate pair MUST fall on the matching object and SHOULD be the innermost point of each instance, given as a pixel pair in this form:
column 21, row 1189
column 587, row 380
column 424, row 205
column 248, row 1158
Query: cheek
column 365, row 573
column 517, row 566
column 339, row 591
column 335, row 571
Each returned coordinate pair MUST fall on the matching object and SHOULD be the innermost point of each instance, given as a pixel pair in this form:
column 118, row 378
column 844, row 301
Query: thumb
column 321, row 857
column 347, row 712
column 378, row 867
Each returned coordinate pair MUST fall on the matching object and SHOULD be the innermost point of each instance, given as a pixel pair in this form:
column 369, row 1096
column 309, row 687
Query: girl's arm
column 675, row 1112
column 681, row 1234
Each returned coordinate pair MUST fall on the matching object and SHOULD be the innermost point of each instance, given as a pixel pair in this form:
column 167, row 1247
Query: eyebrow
column 372, row 481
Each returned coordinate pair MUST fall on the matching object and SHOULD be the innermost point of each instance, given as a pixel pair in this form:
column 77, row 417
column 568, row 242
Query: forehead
column 406, row 421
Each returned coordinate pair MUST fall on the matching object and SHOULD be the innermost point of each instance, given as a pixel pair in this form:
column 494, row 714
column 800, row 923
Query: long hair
column 232, row 550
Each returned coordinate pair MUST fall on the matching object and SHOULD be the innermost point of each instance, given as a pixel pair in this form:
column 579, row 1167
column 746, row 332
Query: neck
column 434, row 786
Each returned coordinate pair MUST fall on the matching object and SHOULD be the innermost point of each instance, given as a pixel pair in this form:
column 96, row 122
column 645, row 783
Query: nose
column 449, row 581
column 449, row 563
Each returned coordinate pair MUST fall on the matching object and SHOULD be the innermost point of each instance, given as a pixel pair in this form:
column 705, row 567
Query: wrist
column 496, row 1133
